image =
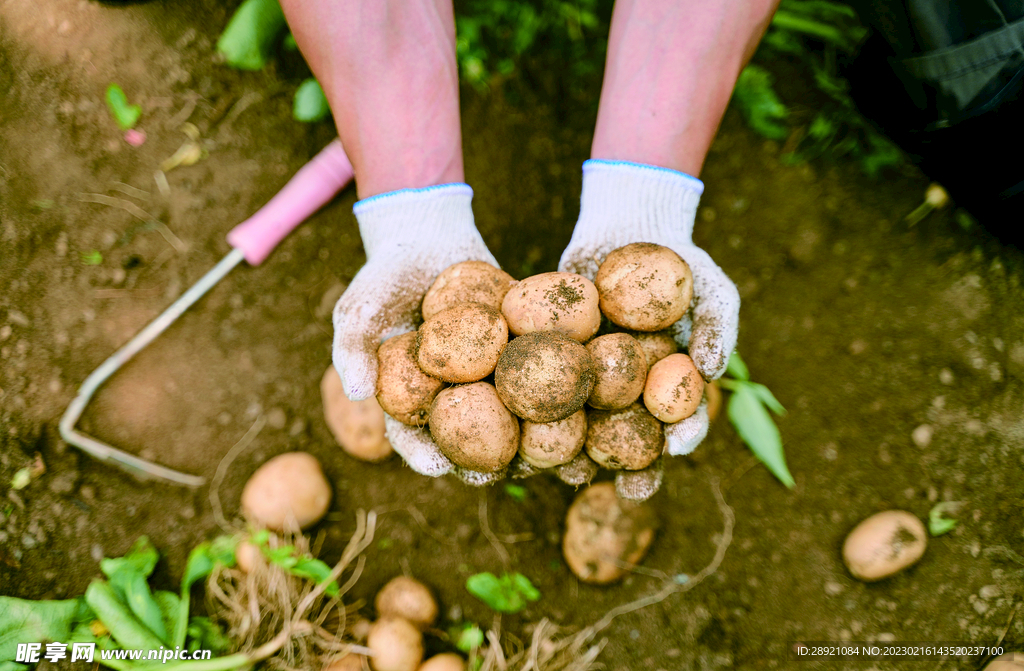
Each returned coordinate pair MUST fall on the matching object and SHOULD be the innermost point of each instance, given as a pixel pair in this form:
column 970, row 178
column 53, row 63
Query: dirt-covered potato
column 461, row 343
column 467, row 282
column 884, row 544
column 396, row 643
column 350, row 662
column 288, row 489
column 1012, row 661
column 657, row 345
column 358, row 426
column 446, row 661
column 407, row 598
column 403, row 390
column 544, row 376
column 628, row 439
column 674, row 388
column 602, row 529
column 549, row 444
column 473, row 429
column 644, row 287
column 561, row 302
column 620, row 366
column 714, row 394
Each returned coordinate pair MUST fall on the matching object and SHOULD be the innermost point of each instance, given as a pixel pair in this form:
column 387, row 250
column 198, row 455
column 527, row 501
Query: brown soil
column 865, row 329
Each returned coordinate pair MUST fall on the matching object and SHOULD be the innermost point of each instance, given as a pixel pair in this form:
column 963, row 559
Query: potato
column 544, row 377
column 473, row 429
column 714, row 393
column 548, row 444
column 467, row 282
column 446, row 661
column 565, row 303
column 407, row 598
column 461, row 343
column 358, row 426
column 288, row 489
column 674, row 388
column 361, row 629
column 657, row 345
column 1012, row 661
column 628, row 439
column 884, row 544
column 621, row 369
column 644, row 287
column 247, row 556
column 396, row 643
column 403, row 390
column 602, row 529
column 350, row 662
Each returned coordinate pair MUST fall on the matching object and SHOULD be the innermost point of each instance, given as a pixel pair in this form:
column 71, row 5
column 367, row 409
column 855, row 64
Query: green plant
column 748, row 411
column 310, row 103
column 124, row 114
column 938, row 523
column 508, row 594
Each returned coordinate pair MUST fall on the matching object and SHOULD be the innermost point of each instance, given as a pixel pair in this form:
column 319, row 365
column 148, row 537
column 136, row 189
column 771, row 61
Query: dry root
column 545, row 653
column 287, row 621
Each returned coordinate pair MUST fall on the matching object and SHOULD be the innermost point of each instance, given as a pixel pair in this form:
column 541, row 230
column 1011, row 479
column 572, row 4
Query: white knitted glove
column 624, row 203
column 410, row 236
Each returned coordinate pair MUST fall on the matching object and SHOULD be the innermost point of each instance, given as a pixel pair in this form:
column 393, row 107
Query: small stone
column 922, row 435
column 54, row 386
column 63, row 483
column 833, row 588
column 224, row 418
column 981, row 607
column 989, row 591
column 298, row 427
column 61, row 246
column 946, row 376
column 276, row 418
column 5, row 332
column 933, row 494
column 885, row 637
column 858, row 346
column 188, row 512
column 634, row 634
column 118, row 276
column 884, row 457
column 96, row 552
column 830, row 452
column 29, row 541
column 909, row 492
column 18, row 318
column 88, row 493
column 975, row 549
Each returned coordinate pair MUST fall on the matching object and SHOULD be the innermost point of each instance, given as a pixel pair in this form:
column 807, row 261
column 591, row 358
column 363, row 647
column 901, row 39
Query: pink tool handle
column 311, row 188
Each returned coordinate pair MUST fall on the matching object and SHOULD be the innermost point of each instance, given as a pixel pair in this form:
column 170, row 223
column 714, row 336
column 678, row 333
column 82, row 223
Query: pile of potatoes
column 500, row 367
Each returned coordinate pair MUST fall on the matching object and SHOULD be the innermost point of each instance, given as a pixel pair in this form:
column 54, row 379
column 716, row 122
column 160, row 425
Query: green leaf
column 125, row 115
column 517, row 492
column 248, row 40
column 938, row 523
column 25, row 621
column 128, row 575
column 140, row 559
column 315, row 570
column 170, row 608
column 310, row 103
column 120, row 621
column 206, row 635
column 467, row 637
column 736, row 367
column 13, row 666
column 758, row 431
column 288, row 43
column 507, row 594
column 92, row 258
column 759, row 104
column 766, row 397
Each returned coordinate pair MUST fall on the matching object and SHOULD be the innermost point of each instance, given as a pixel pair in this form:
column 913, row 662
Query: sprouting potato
column 644, row 287
column 544, row 377
column 467, row 282
column 289, row 489
column 473, row 429
column 674, row 388
column 884, row 544
column 358, row 426
column 407, row 598
column 620, row 366
column 403, row 390
column 461, row 343
column 565, row 303
column 548, row 444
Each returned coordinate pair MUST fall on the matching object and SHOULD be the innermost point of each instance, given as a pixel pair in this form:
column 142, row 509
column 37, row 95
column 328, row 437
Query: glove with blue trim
column 410, row 236
column 622, row 203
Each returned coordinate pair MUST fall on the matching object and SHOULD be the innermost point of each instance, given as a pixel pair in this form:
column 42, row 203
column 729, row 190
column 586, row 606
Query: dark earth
column 898, row 351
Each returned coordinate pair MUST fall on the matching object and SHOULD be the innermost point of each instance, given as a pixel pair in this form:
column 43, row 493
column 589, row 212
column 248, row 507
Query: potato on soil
column 602, row 529
column 884, row 544
column 288, row 489
column 674, row 388
column 628, row 439
column 461, row 343
column 407, row 598
column 548, row 444
column 350, row 662
column 561, row 302
column 403, row 390
column 358, row 426
column 446, row 661
column 396, row 643
column 1012, row 661
column 657, row 345
column 467, row 282
column 621, row 369
column 544, row 376
column 644, row 287
column 473, row 429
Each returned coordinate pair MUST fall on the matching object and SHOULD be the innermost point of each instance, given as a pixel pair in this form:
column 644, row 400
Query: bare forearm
column 670, row 73
column 388, row 70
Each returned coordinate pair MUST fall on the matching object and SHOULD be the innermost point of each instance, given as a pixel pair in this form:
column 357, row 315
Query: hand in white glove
column 624, row 203
column 410, row 236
